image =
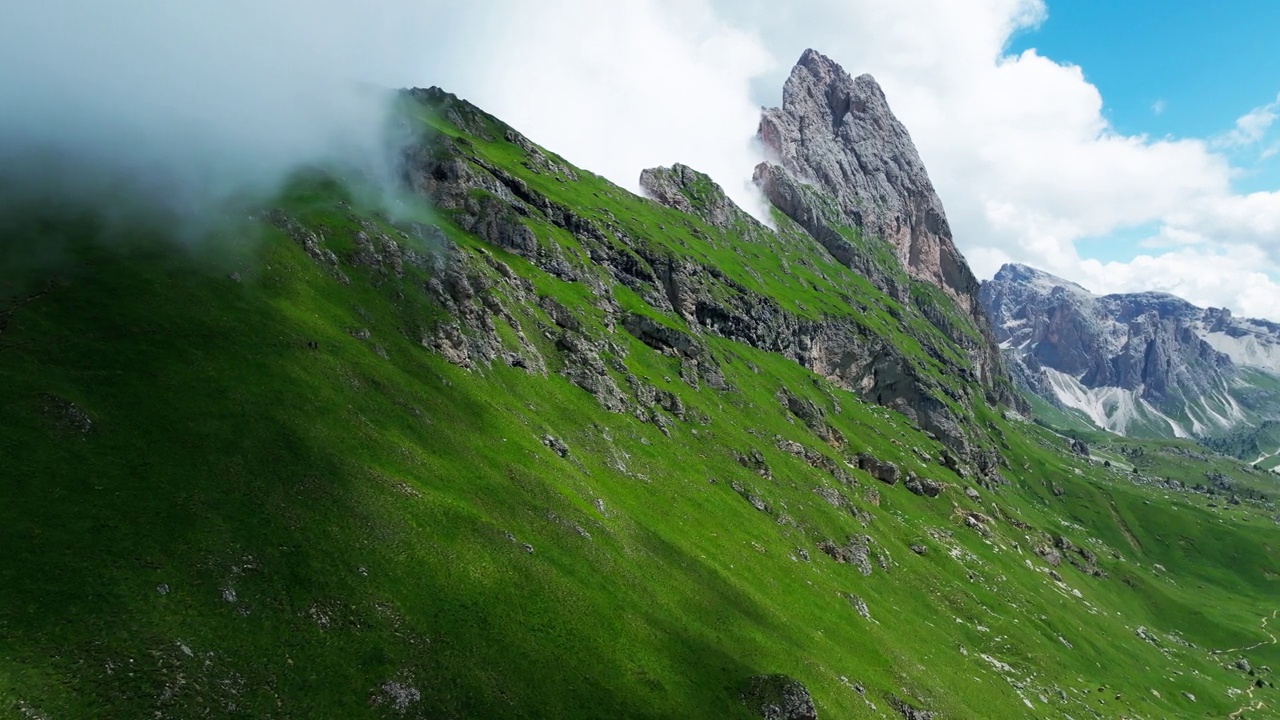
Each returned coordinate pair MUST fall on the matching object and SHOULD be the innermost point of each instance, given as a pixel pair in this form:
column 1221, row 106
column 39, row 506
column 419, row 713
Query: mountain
column 1135, row 363
column 524, row 444
column 844, row 168
column 838, row 133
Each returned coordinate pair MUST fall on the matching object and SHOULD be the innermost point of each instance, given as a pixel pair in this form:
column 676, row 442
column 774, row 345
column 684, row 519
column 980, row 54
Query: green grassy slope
column 261, row 496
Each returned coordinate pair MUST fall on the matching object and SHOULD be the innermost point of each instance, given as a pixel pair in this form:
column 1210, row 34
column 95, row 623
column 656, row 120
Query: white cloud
column 1158, row 107
column 1251, row 218
column 1170, row 236
column 617, row 87
column 1226, row 276
column 1251, row 127
column 198, row 99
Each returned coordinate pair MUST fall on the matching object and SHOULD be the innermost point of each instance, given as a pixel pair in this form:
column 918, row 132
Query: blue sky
column 1181, row 68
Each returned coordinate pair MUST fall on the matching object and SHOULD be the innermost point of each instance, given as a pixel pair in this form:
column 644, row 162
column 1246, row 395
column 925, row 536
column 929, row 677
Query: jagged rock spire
column 838, row 132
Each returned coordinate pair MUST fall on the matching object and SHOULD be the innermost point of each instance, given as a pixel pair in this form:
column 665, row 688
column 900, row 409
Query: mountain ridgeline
column 534, row 446
column 850, row 178
column 1148, row 364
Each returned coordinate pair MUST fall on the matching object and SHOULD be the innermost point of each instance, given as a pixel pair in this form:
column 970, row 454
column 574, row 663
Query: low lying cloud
column 190, row 102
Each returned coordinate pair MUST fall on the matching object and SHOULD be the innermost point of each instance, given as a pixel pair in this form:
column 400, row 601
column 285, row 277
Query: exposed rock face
column 688, row 190
column 660, row 337
column 908, row 711
column 856, row 552
column 666, row 185
column 842, row 160
column 820, row 217
column 884, row 471
column 924, row 486
column 840, row 133
column 1125, row 359
column 66, row 415
column 779, row 697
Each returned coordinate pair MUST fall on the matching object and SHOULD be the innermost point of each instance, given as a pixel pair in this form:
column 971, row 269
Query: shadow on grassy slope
column 240, row 527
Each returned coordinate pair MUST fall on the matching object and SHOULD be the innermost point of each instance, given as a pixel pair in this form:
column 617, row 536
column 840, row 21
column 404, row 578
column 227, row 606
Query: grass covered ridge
column 237, row 486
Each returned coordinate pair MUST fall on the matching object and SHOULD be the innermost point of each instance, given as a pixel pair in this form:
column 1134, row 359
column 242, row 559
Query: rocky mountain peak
column 844, row 168
column 1025, row 275
column 838, row 133
column 822, row 92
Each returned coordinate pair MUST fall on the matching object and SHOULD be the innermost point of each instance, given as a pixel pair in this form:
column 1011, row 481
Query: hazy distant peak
column 1041, row 280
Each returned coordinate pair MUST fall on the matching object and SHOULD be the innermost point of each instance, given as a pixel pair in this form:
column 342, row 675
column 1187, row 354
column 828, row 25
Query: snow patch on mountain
column 1110, row 408
column 1255, row 351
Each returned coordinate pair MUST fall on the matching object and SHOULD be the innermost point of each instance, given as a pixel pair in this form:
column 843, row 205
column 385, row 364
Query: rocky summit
column 843, row 167
column 838, row 132
column 1139, row 363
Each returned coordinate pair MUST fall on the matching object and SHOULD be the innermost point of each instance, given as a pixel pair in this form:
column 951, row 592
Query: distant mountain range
column 1145, row 364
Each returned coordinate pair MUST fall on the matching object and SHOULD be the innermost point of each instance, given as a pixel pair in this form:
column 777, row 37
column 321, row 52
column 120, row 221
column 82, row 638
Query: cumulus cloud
column 1252, row 126
column 1221, row 277
column 616, row 87
column 198, row 100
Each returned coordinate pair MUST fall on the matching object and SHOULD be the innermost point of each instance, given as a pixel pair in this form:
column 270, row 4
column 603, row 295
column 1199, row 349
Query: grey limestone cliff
column 838, row 132
column 845, row 168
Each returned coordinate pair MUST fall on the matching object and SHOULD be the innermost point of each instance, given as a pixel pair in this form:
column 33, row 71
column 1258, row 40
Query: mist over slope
column 194, row 103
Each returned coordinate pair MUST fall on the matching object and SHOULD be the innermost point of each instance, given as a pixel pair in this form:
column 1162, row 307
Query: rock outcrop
column 779, row 697
column 688, row 190
column 844, row 168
